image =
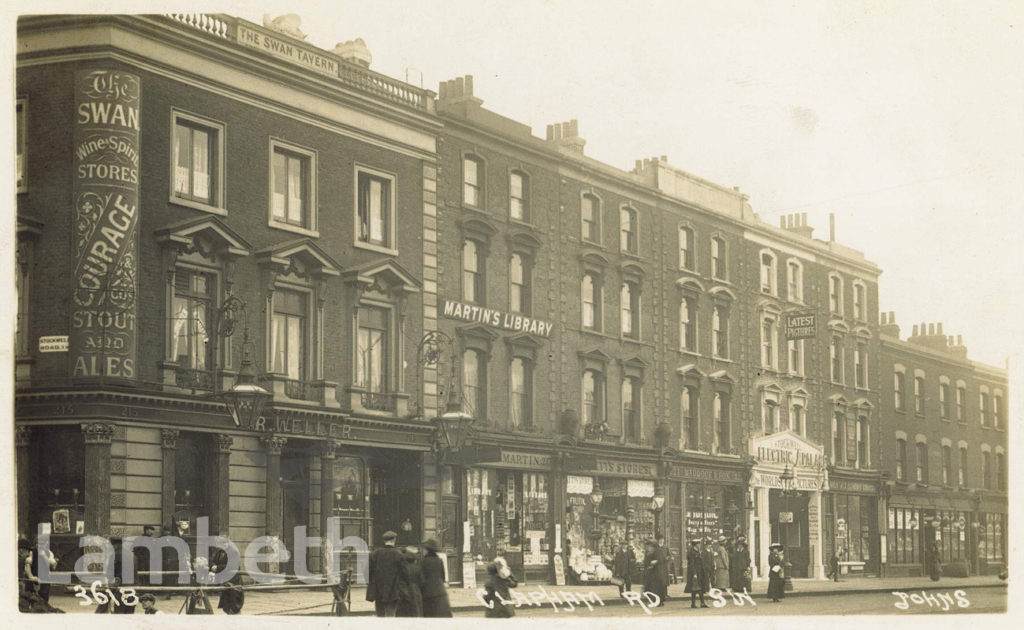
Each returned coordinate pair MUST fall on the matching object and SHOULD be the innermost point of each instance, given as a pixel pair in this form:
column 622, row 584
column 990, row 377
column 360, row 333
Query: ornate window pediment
column 524, row 242
column 301, row 257
column 477, row 228
column 690, row 370
column 524, row 345
column 208, row 236
column 386, row 277
column 721, row 376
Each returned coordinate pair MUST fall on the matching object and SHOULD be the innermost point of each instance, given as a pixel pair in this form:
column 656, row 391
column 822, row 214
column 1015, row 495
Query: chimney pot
column 914, row 334
column 469, row 85
column 831, row 227
column 803, row 218
column 892, row 316
column 959, row 340
column 782, row 221
column 459, row 86
column 940, row 328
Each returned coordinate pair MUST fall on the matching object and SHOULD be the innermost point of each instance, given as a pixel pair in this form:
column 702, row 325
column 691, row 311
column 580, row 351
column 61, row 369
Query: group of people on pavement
column 405, row 582
column 717, row 564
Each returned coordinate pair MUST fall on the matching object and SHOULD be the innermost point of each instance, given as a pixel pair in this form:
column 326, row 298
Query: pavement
column 318, row 601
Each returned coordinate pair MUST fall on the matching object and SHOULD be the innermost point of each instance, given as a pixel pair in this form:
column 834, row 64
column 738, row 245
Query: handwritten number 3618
column 128, row 597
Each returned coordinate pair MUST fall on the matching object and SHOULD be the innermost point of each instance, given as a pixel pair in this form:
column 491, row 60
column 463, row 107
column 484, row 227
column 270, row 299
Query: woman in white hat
column 776, row 581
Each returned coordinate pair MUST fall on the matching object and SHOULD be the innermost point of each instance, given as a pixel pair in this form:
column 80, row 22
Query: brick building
column 171, row 166
column 945, row 453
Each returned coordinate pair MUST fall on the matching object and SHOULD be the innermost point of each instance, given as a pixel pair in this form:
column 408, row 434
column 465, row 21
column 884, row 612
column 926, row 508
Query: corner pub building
column 172, row 168
column 621, row 339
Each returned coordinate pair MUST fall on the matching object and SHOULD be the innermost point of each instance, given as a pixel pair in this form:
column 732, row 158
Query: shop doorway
column 396, row 496
column 294, row 500
column 788, row 515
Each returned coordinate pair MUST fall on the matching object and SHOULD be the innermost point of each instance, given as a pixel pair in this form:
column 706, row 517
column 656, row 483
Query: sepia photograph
column 548, row 310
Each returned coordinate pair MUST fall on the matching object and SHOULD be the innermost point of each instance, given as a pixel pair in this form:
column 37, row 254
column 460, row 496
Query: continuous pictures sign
column 105, row 199
column 801, row 326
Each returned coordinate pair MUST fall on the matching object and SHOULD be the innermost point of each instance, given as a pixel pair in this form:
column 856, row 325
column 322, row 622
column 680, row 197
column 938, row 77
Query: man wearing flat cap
column 385, row 570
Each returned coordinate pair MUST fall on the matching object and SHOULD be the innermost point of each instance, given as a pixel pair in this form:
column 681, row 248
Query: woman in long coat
column 499, row 581
column 776, row 581
column 721, row 558
column 934, row 562
column 696, row 576
column 739, row 565
column 410, row 585
column 435, row 595
column 655, row 571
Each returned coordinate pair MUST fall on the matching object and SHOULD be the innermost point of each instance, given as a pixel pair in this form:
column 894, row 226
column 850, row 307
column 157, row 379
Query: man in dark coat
column 435, row 595
column 739, row 566
column 623, row 566
column 668, row 569
column 776, row 580
column 934, row 561
column 232, row 598
column 410, row 585
column 696, row 575
column 655, row 571
column 385, row 571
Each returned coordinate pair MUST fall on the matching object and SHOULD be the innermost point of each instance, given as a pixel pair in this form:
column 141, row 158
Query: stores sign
column 496, row 319
column 801, row 326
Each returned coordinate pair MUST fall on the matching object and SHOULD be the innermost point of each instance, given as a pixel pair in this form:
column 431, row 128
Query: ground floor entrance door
column 788, row 515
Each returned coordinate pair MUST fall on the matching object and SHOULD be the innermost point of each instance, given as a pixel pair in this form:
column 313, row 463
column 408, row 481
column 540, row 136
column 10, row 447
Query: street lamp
column 245, row 399
column 787, row 478
column 657, row 503
column 452, row 428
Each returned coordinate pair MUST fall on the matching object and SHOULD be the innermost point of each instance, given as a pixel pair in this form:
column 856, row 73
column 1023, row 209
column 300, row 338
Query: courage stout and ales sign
column 102, row 340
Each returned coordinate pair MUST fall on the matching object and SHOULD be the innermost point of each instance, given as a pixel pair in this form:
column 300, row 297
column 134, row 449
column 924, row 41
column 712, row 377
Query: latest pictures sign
column 801, row 326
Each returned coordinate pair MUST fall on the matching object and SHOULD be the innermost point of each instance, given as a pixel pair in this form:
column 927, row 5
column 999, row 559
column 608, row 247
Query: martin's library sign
column 496, row 319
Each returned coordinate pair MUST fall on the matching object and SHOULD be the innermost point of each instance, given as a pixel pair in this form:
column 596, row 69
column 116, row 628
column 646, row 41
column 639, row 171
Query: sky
column 905, row 119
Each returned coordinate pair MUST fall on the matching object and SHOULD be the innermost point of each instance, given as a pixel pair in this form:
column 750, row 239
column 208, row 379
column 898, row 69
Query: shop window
column 720, row 332
column 723, row 428
column 898, row 386
column 519, row 284
column 593, row 398
column 901, row 460
column 521, row 385
column 795, row 281
column 474, row 383
column 289, row 334
column 688, row 324
column 21, row 144
column 374, row 348
column 57, row 481
column 191, row 321
column 631, row 409
column 991, row 535
column 904, row 546
column 590, row 212
column 472, row 181
column 375, row 209
column 292, row 190
column 686, row 253
column 719, row 267
column 690, row 410
column 519, row 196
column 629, row 302
column 769, row 276
column 628, row 230
column 590, row 288
column 197, row 151
column 472, row 272
column 921, row 465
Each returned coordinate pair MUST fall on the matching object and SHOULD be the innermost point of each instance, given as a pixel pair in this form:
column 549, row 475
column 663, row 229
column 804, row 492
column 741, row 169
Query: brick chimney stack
column 456, row 93
column 888, row 325
column 931, row 336
column 796, row 223
column 566, row 136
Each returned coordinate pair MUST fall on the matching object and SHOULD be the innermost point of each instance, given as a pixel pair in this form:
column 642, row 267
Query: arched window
column 769, row 343
column 688, row 324
column 723, row 428
column 921, row 465
column 771, row 417
column 519, row 284
column 593, row 397
column 686, row 253
column 690, row 411
column 961, row 402
column 591, row 291
column 862, row 443
column 590, row 214
column 519, row 196
column 835, row 293
column 631, row 408
column 472, row 272
column 944, row 401
column 719, row 267
column 720, row 331
column 629, row 299
column 795, row 281
column 947, row 465
column 472, row 181
column 769, row 274
column 983, row 407
column 836, row 359
column 860, row 365
column 797, row 421
column 986, row 469
column 962, row 473
column 837, row 438
column 521, row 388
column 898, row 387
column 919, row 394
column 628, row 230
column 1000, row 472
column 860, row 301
column 901, row 460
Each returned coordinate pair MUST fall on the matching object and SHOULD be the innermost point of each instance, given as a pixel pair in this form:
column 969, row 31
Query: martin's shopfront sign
column 496, row 319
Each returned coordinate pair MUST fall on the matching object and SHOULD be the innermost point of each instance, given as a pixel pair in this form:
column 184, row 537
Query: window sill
column 721, row 281
column 589, row 243
column 691, row 353
column 526, row 225
column 689, row 272
column 198, row 205
column 481, row 211
column 838, row 384
column 293, row 228
column 902, row 412
column 381, row 249
column 946, row 420
column 635, row 255
column 595, row 332
column 721, row 359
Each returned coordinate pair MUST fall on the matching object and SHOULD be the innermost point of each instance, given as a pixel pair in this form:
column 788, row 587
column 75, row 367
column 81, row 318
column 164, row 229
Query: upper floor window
column 628, row 230
column 22, row 287
column 986, row 470
column 289, row 329
column 860, row 365
column 835, row 294
column 921, row 469
column 520, row 385
column 947, row 466
column 997, row 411
column 796, row 357
column 519, row 284
column 770, row 417
column 769, row 343
column 688, row 324
column 21, row 143
column 686, row 257
column 836, row 359
column 720, row 332
column 196, row 160
column 375, row 210
column 629, row 299
column 292, row 191
column 1000, row 471
column 859, row 302
column 472, row 272
column 962, row 472
column 919, row 395
column 518, row 196
column 631, row 408
column 983, row 408
column 373, row 351
column 797, row 419
column 590, row 211
column 689, row 403
column 898, row 386
column 901, row 459
column 862, row 443
column 723, row 428
column 961, row 403
column 472, row 181
column 593, row 398
column 718, row 260
column 590, row 288
column 795, row 281
column 192, row 307
column 768, row 273
column 944, row 401
column 474, row 383
column 837, row 439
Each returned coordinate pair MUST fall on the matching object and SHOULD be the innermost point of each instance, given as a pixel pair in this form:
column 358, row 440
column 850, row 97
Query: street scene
column 298, row 335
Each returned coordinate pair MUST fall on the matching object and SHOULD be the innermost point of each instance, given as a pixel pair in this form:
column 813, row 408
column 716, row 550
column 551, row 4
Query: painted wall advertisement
column 105, row 197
